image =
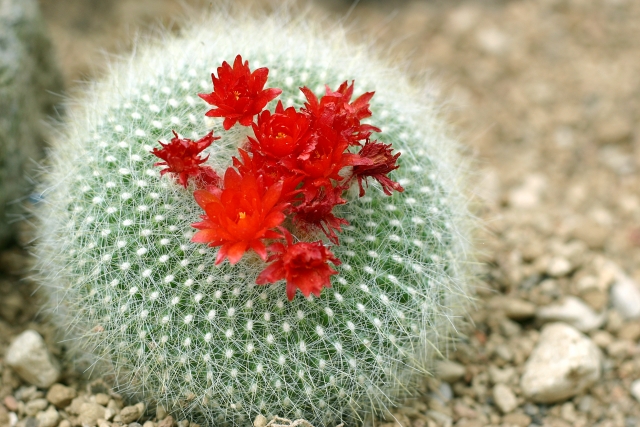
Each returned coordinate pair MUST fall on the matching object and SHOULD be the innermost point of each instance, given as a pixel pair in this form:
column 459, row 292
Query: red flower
column 382, row 162
column 270, row 172
column 238, row 93
column 318, row 212
column 283, row 136
column 181, row 156
column 303, row 265
column 352, row 114
column 336, row 126
column 333, row 110
column 240, row 216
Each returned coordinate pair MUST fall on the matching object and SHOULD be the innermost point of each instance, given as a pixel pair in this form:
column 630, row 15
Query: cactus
column 28, row 77
column 149, row 307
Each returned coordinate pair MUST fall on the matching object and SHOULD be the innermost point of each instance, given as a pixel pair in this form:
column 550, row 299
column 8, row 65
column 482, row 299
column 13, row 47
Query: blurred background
column 545, row 97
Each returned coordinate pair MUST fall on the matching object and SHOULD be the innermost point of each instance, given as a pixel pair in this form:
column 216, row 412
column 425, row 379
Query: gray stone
column 29, row 357
column 625, row 297
column 573, row 311
column 563, row 364
column 504, row 398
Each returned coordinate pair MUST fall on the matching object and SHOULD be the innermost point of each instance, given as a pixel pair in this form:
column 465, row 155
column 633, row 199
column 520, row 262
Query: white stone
column 48, row 418
column 558, row 267
column 635, row 389
column 29, row 357
column 493, row 41
column 563, row 364
column 625, row 297
column 573, row 311
column 260, row 421
column 504, row 398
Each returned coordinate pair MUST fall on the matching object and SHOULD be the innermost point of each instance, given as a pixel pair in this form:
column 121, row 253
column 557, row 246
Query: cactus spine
column 150, row 307
column 28, row 76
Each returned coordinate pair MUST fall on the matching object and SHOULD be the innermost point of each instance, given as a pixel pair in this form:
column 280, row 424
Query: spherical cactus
column 149, row 306
column 28, row 81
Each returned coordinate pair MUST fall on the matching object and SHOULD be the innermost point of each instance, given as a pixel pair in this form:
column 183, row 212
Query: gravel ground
column 546, row 95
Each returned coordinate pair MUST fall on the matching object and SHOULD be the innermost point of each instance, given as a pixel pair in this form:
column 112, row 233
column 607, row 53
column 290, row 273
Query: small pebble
column 635, row 389
column 260, row 421
column 102, row 399
column 573, row 311
column 130, row 414
column 625, row 297
column 449, row 371
column 504, row 398
column 90, row 413
column 48, row 418
column 168, row 421
column 516, row 419
column 161, row 412
column 517, row 309
column 558, row 267
column 60, row 395
column 29, row 357
column 563, row 364
column 11, row 403
column 35, row 406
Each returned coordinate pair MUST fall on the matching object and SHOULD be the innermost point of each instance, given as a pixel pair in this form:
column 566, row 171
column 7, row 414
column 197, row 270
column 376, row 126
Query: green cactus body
column 145, row 303
column 28, row 78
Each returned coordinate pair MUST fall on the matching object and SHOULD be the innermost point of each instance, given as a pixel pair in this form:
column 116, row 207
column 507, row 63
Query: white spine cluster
column 132, row 291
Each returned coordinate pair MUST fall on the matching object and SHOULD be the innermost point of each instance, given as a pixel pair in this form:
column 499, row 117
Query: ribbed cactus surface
column 150, row 307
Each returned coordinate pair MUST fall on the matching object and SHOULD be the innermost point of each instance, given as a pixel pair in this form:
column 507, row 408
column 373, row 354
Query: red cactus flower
column 240, row 216
column 181, row 156
column 283, row 136
column 333, row 110
column 271, row 173
column 382, row 162
column 318, row 212
column 238, row 93
column 303, row 265
column 352, row 114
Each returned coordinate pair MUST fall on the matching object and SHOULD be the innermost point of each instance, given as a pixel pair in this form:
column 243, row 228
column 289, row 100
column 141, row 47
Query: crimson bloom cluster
column 296, row 167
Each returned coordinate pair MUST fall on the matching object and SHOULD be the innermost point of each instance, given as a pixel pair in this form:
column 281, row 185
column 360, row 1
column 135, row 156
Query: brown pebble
column 11, row 403
column 4, row 416
column 60, row 395
column 130, row 414
column 630, row 331
column 167, row 422
column 102, row 399
column 515, row 419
